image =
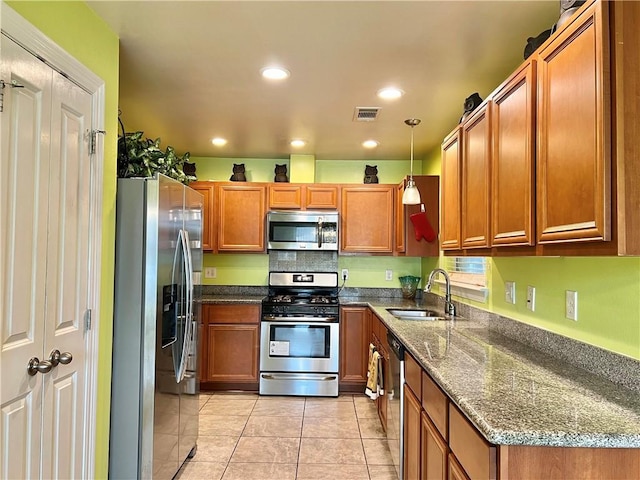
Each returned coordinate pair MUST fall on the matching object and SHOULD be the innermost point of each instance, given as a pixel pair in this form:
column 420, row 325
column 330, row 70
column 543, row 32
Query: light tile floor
column 249, row 437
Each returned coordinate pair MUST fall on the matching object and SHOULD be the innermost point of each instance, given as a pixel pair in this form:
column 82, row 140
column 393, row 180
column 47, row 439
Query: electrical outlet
column 531, row 298
column 345, row 273
column 210, row 272
column 388, row 275
column 571, row 305
column 510, row 292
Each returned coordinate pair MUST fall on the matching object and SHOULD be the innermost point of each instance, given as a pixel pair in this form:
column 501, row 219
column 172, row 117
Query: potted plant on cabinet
column 142, row 157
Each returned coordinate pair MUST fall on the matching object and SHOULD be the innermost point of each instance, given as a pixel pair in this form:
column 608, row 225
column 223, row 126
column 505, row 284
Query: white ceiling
column 189, row 70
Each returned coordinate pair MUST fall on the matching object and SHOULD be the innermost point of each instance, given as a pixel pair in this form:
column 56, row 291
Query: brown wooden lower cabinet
column 355, row 334
column 436, row 404
column 555, row 463
column 434, row 451
column 412, row 427
column 232, row 353
column 230, row 346
column 456, row 472
column 378, row 338
column 475, row 454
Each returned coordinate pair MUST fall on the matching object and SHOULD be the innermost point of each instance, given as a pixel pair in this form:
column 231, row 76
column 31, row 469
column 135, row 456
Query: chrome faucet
column 449, row 307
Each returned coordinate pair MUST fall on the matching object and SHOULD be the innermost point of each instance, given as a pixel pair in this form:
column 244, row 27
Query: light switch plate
column 510, row 292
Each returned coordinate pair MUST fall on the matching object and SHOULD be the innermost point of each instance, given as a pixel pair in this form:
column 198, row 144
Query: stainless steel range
column 299, row 335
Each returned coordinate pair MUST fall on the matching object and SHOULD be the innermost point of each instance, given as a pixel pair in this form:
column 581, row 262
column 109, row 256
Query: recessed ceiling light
column 390, row 93
column 370, row 144
column 219, row 141
column 275, row 73
column 298, row 143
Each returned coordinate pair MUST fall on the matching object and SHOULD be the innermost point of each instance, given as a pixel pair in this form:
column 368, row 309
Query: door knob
column 56, row 357
column 35, row 365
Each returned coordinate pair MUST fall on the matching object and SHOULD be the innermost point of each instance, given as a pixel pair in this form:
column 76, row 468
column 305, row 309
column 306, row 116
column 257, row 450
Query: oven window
column 307, row 341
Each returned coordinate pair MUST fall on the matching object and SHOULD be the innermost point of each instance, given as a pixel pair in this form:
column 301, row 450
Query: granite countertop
column 232, row 298
column 514, row 394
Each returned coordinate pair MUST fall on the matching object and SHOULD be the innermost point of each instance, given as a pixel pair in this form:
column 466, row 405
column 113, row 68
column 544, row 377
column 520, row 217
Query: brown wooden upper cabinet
column 574, row 124
column 367, row 218
column 476, row 179
column 513, row 159
column 287, row 196
column 406, row 242
column 207, row 191
column 240, row 212
column 451, row 187
column 564, row 161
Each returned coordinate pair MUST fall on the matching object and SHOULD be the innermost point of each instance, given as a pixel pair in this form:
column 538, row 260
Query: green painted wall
column 326, row 171
column 608, row 297
column 220, row 169
column 431, row 165
column 76, row 28
column 352, row 171
column 302, row 169
column 237, row 269
column 370, row 271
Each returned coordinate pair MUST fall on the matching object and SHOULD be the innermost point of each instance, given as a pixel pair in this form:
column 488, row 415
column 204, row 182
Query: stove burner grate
column 302, row 299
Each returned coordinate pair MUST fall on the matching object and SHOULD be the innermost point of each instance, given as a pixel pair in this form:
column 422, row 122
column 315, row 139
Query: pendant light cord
column 411, row 173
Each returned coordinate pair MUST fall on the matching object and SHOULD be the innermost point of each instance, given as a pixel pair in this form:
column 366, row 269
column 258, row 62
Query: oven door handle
column 296, row 376
column 273, row 318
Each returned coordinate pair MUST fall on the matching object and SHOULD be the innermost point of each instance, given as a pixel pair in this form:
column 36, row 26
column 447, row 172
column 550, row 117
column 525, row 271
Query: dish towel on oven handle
column 374, row 374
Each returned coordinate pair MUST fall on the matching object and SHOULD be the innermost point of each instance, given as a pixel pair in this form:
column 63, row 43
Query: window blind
column 467, row 270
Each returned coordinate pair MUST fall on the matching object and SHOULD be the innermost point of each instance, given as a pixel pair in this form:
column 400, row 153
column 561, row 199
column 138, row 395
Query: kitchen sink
column 415, row 314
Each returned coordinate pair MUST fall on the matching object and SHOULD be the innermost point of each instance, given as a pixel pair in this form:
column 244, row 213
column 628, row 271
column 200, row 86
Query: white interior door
column 25, row 192
column 45, row 229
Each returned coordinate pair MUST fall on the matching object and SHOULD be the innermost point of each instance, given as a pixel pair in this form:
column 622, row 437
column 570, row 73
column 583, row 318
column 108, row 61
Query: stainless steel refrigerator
column 154, row 399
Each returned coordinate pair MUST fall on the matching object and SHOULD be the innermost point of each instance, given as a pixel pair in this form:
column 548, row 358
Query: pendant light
column 411, row 195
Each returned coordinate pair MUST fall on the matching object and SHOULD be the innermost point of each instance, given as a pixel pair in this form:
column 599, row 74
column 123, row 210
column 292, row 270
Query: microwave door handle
column 320, row 232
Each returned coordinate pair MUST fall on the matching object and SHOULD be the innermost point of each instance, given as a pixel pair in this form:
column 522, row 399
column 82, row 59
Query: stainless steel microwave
column 302, row 230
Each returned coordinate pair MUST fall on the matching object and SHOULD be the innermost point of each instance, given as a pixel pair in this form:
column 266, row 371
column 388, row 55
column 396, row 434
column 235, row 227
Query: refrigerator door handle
column 192, row 349
column 184, row 341
column 189, row 275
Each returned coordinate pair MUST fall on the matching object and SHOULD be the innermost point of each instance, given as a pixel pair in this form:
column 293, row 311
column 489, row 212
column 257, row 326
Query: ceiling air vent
column 366, row 114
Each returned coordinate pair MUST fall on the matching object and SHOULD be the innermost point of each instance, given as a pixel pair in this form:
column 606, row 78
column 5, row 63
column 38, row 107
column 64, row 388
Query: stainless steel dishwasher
column 395, row 414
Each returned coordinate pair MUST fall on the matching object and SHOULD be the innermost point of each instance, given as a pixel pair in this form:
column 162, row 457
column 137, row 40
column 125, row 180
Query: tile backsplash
column 300, row 261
